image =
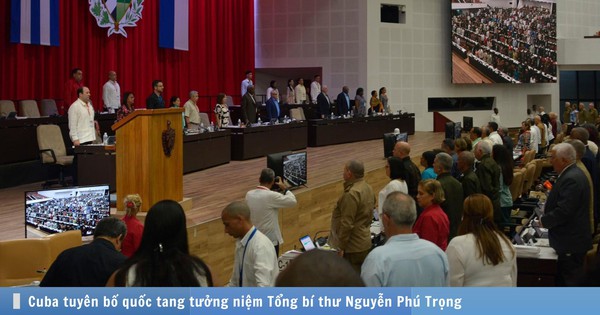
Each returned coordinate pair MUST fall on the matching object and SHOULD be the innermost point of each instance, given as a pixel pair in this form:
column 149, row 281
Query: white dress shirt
column 467, row 268
column 111, row 95
column 245, row 84
column 258, row 266
column 495, row 138
column 535, row 139
column 394, row 185
column 81, row 122
column 315, row 89
column 495, row 118
column 264, row 210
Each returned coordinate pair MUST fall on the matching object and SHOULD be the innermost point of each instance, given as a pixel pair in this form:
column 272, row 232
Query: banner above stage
column 116, row 14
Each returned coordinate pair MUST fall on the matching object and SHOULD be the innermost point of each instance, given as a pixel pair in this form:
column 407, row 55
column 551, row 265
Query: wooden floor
column 214, row 188
column 463, row 72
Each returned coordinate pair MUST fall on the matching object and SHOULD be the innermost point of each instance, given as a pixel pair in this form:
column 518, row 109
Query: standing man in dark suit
column 273, row 107
column 249, row 106
column 413, row 174
column 155, row 100
column 343, row 102
column 566, row 214
column 488, row 173
column 453, row 191
column 468, row 179
column 323, row 103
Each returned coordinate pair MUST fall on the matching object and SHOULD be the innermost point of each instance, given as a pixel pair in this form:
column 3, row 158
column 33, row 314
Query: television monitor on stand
column 51, row 211
column 294, row 169
column 275, row 162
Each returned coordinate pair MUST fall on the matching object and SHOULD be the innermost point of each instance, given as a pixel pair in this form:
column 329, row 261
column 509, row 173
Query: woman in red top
column 135, row 228
column 433, row 224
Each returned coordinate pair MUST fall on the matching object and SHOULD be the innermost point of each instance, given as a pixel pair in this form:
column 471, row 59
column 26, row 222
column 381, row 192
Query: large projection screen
column 503, row 41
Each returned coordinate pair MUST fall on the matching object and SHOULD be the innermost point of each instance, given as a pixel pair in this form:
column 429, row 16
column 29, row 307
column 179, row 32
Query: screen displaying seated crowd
column 503, row 41
column 294, row 169
column 74, row 208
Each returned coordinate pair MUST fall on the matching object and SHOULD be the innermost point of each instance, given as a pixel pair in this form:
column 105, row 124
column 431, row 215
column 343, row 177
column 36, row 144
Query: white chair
column 204, row 119
column 6, row 107
column 29, row 108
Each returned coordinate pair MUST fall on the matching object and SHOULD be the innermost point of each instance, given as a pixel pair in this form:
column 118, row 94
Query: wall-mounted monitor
column 294, row 169
column 503, row 41
column 73, row 208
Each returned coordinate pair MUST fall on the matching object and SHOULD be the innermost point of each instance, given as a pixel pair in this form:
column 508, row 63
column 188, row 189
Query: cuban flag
column 34, row 22
column 173, row 22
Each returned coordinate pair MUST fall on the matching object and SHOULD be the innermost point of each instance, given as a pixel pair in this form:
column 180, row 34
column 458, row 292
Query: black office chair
column 53, row 153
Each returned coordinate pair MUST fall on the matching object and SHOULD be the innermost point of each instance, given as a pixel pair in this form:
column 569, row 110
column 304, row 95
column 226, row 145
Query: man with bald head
column 111, row 93
column 343, row 102
column 413, row 176
column 351, row 218
column 566, row 214
column 405, row 260
column 255, row 262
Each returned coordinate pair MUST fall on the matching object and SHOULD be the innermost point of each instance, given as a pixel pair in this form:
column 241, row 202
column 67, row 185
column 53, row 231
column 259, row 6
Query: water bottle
column 212, row 127
column 239, row 123
column 332, row 115
column 105, row 138
column 201, row 127
column 259, row 121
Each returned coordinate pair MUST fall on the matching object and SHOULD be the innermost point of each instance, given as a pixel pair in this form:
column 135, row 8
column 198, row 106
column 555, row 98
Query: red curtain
column 221, row 50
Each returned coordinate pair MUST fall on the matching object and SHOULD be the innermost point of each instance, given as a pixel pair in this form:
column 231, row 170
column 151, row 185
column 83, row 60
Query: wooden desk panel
column 326, row 132
column 206, row 150
column 252, row 142
column 97, row 165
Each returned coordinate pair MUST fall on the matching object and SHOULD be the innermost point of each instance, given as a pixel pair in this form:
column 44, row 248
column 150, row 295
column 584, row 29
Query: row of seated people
column 517, row 71
column 521, row 55
column 514, row 39
column 533, row 45
column 530, row 24
column 29, row 108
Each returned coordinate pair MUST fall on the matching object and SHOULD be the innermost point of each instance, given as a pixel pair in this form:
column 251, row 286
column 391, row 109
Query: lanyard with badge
column 244, row 256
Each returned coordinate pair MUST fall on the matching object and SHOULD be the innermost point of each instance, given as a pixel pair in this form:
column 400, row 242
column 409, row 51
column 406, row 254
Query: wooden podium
column 143, row 165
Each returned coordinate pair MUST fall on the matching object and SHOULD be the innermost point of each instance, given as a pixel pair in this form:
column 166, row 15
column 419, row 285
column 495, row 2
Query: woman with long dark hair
column 163, row 258
column 480, row 255
column 503, row 158
column 127, row 107
column 291, row 93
